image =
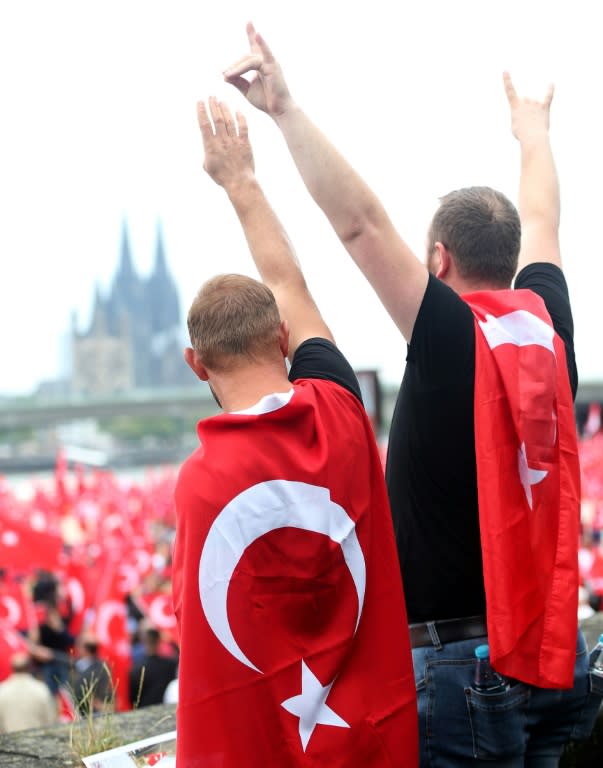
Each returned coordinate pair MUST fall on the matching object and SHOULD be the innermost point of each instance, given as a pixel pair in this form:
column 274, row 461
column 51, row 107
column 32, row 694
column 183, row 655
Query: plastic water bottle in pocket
column 486, row 679
column 596, row 658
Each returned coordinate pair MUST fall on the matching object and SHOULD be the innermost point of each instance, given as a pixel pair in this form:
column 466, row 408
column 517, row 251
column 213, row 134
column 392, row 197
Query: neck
column 461, row 286
column 244, row 387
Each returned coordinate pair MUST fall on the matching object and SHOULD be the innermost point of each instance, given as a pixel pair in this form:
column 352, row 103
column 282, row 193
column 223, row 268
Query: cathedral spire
column 98, row 326
column 160, row 268
column 126, row 268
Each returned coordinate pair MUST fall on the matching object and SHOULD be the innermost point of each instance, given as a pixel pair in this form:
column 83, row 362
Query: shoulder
column 319, row 358
column 548, row 281
column 443, row 335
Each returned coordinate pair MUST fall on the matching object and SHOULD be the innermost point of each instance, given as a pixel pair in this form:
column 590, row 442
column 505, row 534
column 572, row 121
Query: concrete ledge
column 50, row 747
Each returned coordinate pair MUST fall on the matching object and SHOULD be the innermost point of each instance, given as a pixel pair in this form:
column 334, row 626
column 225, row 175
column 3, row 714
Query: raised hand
column 266, row 89
column 529, row 117
column 228, row 153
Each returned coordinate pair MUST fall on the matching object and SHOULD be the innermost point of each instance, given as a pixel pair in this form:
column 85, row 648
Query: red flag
column 294, row 639
column 528, row 488
column 11, row 643
column 110, row 626
column 16, row 607
column 24, row 548
column 159, row 609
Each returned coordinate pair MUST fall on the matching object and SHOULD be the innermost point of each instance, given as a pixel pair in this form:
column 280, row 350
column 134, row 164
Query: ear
column 283, row 337
column 194, row 362
column 443, row 257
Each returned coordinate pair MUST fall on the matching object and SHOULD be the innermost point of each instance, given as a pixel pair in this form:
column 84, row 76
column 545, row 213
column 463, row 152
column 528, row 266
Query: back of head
column 481, row 229
column 151, row 639
column 233, row 318
column 20, row 662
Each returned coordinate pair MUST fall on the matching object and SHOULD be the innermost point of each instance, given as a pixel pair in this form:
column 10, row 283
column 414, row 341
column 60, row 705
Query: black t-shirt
column 319, row 358
column 431, row 471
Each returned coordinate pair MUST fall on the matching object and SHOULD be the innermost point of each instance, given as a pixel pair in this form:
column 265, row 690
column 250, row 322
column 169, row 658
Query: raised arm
column 357, row 216
column 539, row 202
column 229, row 162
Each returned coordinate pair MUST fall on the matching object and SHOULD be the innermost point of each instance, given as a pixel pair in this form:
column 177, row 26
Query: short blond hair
column 233, row 317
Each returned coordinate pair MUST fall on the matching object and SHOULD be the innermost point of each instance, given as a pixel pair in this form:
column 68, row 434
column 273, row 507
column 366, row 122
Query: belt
column 447, row 631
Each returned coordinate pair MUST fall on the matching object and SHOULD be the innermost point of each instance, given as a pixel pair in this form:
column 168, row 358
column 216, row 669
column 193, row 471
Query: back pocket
column 498, row 721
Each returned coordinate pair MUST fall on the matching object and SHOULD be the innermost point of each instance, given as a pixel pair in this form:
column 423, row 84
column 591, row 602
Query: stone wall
column 50, row 747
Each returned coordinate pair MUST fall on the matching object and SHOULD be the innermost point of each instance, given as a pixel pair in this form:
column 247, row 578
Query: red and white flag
column 23, row 548
column 294, row 639
column 110, row 626
column 158, row 607
column 11, row 644
column 528, row 480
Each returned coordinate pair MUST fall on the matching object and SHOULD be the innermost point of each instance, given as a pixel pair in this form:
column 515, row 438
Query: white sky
column 98, row 123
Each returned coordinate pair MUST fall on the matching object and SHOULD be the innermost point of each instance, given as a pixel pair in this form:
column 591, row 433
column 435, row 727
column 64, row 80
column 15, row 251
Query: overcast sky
column 98, row 124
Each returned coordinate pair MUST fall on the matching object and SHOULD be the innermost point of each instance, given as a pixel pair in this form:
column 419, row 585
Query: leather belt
column 447, row 631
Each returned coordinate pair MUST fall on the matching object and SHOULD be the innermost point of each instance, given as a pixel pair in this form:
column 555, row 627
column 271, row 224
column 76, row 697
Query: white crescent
column 107, row 611
column 161, row 612
column 13, row 610
column 75, row 590
column 255, row 512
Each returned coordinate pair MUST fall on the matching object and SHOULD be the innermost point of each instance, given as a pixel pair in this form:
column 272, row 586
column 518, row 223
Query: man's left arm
column 229, row 162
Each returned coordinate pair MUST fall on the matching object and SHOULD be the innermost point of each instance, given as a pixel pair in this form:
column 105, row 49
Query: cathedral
column 135, row 338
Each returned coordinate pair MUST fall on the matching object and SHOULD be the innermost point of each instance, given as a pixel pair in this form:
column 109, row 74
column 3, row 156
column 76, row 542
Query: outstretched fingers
column 205, row 125
column 509, row 89
column 550, row 92
column 242, row 123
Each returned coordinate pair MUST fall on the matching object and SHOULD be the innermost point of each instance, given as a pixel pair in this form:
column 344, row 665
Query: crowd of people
column 85, row 593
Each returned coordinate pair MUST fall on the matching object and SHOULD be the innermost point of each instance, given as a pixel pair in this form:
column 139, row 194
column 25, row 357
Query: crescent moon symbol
column 255, row 512
column 161, row 612
column 13, row 610
column 107, row 611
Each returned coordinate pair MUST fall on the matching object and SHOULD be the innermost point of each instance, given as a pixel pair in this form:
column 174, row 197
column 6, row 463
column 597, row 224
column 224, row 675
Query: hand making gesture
column 529, row 117
column 266, row 89
column 228, row 153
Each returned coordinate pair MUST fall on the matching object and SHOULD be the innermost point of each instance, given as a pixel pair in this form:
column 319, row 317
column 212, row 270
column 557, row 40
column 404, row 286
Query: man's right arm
column 539, row 199
column 354, row 211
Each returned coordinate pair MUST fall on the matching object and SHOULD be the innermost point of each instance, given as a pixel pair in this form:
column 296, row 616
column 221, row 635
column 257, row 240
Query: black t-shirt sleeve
column 320, row 359
column 548, row 281
column 442, row 347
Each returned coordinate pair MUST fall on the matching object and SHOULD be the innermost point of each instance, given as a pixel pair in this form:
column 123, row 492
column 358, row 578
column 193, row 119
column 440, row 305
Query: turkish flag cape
column 294, row 638
column 528, row 480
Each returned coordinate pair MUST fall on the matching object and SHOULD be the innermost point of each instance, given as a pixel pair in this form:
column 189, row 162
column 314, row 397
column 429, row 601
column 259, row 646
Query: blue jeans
column 524, row 726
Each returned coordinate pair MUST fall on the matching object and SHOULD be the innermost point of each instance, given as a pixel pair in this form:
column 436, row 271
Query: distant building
column 134, row 340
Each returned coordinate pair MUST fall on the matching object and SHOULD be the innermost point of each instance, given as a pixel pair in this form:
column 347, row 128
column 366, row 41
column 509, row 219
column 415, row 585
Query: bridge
column 194, row 403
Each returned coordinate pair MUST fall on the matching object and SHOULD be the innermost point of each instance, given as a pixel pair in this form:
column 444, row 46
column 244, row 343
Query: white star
column 527, row 476
column 10, row 539
column 310, row 706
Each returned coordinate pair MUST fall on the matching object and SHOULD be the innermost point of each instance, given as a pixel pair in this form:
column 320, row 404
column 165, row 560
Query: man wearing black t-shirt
column 474, row 246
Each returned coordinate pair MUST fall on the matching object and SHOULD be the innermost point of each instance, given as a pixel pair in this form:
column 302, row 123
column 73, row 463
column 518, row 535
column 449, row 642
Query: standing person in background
column 153, row 673
column 294, row 647
column 24, row 701
column 482, row 464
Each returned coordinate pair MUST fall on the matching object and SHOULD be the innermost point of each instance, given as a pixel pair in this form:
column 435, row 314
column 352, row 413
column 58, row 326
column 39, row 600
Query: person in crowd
column 482, row 464
column 25, row 702
column 53, row 633
column 92, row 684
column 294, row 649
column 151, row 675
